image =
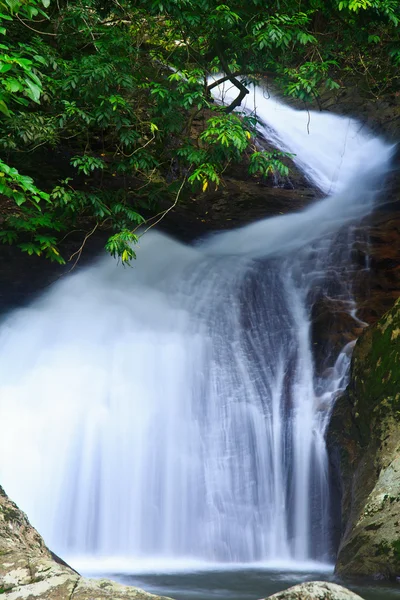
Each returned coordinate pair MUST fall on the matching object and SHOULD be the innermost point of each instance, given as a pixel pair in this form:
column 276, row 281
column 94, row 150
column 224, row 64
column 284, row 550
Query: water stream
column 171, row 413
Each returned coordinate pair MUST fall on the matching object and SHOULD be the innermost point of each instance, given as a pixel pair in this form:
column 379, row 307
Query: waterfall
column 172, row 411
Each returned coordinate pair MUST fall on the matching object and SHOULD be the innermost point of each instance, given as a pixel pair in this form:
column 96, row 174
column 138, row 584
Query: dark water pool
column 241, row 584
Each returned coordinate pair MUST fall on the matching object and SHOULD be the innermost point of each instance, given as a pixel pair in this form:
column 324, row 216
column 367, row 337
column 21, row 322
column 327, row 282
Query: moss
column 396, row 549
column 375, row 378
column 370, row 435
column 383, row 549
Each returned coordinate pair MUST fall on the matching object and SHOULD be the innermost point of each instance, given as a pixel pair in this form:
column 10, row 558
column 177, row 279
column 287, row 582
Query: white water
column 171, row 412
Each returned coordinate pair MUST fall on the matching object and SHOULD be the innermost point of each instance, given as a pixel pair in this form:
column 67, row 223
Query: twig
column 165, row 212
column 35, row 30
column 78, row 253
column 137, row 149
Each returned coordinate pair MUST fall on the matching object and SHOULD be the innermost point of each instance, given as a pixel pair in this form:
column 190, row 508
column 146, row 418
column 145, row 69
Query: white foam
column 96, row 566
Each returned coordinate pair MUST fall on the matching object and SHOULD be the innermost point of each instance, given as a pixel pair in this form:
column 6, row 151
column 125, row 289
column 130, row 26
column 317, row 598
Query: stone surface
column 316, row 590
column 364, row 440
column 378, row 113
column 377, row 289
column 239, row 200
column 29, row 570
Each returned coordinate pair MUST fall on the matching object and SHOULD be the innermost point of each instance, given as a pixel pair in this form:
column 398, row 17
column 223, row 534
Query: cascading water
column 173, row 410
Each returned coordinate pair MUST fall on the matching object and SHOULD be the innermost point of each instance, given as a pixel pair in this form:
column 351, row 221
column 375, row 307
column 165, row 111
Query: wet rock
column 240, row 199
column 29, row 570
column 377, row 287
column 379, row 113
column 316, row 590
column 364, row 439
column 332, row 328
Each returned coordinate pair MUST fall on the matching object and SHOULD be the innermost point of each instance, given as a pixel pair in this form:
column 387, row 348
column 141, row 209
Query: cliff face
column 364, row 437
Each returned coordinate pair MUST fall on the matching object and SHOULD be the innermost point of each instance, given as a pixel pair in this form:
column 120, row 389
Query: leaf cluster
column 119, row 91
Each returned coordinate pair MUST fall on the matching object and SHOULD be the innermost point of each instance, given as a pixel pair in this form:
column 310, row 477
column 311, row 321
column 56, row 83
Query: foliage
column 115, row 98
column 268, row 162
column 27, row 219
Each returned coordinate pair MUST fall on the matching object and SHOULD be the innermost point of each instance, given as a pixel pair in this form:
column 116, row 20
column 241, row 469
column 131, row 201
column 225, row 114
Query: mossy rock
column 365, row 434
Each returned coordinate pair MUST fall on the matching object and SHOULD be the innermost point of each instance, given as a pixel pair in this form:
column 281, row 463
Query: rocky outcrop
column 316, row 590
column 364, row 439
column 240, row 199
column 377, row 288
column 377, row 112
column 29, row 570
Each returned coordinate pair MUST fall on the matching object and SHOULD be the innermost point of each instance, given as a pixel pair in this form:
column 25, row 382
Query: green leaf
column 34, row 90
column 30, row 248
column 19, row 198
column 23, row 62
column 5, row 67
column 4, row 109
column 13, row 85
column 8, row 237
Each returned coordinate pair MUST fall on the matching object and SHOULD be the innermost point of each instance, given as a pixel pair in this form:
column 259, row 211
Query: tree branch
column 243, row 91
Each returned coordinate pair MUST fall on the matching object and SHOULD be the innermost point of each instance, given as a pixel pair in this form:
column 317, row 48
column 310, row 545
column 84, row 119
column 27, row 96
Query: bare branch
column 78, row 253
column 165, row 212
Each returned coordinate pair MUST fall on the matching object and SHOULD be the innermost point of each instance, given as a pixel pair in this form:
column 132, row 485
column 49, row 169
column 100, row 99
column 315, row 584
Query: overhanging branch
column 243, row 91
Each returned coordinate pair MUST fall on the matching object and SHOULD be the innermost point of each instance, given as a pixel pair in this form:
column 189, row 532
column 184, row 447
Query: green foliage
column 112, row 97
column 203, row 174
column 120, row 245
column 386, row 8
column 226, row 131
column 266, row 163
column 19, row 188
column 26, row 216
column 85, row 164
column 19, row 62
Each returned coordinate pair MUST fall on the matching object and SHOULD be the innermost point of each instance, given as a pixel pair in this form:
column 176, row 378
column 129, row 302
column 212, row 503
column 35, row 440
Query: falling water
column 172, row 411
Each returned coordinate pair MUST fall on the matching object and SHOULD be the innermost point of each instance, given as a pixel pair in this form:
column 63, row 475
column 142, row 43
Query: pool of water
column 240, row 583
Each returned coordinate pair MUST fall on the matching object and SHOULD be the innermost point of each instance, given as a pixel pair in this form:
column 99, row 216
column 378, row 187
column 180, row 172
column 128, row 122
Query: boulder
column 316, row 590
column 364, row 441
column 28, row 569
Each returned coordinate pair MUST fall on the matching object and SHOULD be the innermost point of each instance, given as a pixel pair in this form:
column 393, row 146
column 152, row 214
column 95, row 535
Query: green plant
column 120, row 92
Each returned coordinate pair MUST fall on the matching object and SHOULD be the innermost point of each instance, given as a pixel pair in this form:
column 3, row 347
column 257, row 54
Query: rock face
column 316, row 590
column 364, row 439
column 29, row 570
column 377, row 289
